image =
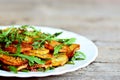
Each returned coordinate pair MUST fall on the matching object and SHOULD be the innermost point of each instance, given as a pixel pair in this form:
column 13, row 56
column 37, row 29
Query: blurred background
column 80, row 16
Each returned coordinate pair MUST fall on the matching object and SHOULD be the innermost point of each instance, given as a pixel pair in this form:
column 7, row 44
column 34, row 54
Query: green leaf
column 8, row 43
column 13, row 69
column 62, row 40
column 18, row 49
column 70, row 41
column 57, row 34
column 4, row 52
column 38, row 60
column 78, row 56
column 49, row 68
column 32, row 59
column 25, row 70
column 36, row 45
column 70, row 62
column 0, row 65
column 41, row 69
column 5, row 33
column 30, row 63
column 57, row 49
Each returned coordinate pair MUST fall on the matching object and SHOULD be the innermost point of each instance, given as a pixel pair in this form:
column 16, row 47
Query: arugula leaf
column 18, row 49
column 33, row 33
column 41, row 69
column 32, row 59
column 38, row 60
column 35, row 45
column 0, row 65
column 57, row 34
column 70, row 62
column 25, row 70
column 49, row 68
column 5, row 33
column 66, row 41
column 57, row 48
column 13, row 69
column 24, row 27
column 70, row 41
column 34, row 29
column 4, row 52
column 44, row 37
column 8, row 43
column 78, row 56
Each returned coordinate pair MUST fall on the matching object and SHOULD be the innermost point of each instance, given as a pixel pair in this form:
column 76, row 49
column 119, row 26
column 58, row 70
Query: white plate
column 87, row 47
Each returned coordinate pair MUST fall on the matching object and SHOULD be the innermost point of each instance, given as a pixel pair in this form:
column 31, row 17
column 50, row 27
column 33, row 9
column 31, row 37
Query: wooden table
column 98, row 20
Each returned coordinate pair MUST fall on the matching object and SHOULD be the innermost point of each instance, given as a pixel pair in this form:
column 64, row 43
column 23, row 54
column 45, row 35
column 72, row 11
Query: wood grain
column 98, row 20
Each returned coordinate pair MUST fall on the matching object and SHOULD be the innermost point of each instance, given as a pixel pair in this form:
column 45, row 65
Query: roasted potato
column 41, row 53
column 10, row 60
column 59, row 60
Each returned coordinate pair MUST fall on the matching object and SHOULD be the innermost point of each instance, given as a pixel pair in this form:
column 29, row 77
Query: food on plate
column 25, row 48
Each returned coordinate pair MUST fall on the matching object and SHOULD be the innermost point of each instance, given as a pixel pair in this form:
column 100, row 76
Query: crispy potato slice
column 10, row 60
column 22, row 67
column 72, row 50
column 65, row 49
column 51, row 45
column 48, row 46
column 46, row 65
column 24, row 47
column 75, row 47
column 59, row 60
column 54, row 43
column 28, row 40
column 11, row 48
column 42, row 53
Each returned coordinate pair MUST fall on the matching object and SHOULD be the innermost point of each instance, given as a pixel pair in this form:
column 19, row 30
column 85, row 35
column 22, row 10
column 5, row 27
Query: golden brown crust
column 41, row 53
column 59, row 59
column 72, row 50
column 14, row 61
